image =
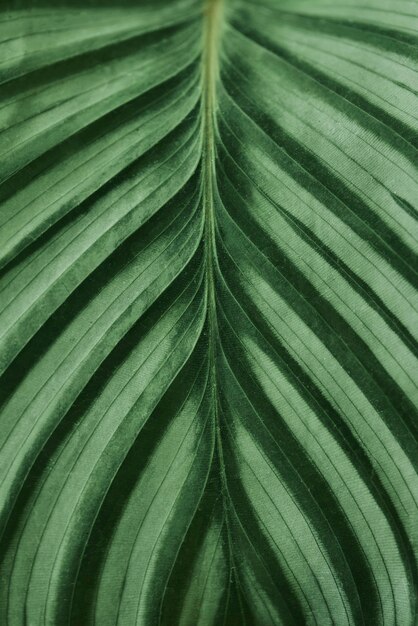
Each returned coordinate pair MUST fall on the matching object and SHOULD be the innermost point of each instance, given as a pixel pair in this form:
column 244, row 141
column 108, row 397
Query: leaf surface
column 208, row 313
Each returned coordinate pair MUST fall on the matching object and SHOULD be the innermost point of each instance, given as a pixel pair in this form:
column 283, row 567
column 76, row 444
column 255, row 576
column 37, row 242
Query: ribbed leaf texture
column 208, row 313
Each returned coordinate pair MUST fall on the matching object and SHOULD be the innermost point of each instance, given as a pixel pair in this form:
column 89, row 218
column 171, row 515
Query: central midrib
column 210, row 56
column 210, row 59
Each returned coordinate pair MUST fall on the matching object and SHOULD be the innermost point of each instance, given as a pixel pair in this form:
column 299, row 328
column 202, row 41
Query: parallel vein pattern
column 208, row 318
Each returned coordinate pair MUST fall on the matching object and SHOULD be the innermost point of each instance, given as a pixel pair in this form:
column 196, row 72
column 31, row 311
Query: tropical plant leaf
column 208, row 313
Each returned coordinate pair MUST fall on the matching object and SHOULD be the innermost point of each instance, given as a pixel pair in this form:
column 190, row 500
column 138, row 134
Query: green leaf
column 208, row 318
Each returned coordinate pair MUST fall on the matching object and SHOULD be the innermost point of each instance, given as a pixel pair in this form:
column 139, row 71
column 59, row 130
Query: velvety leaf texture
column 208, row 324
